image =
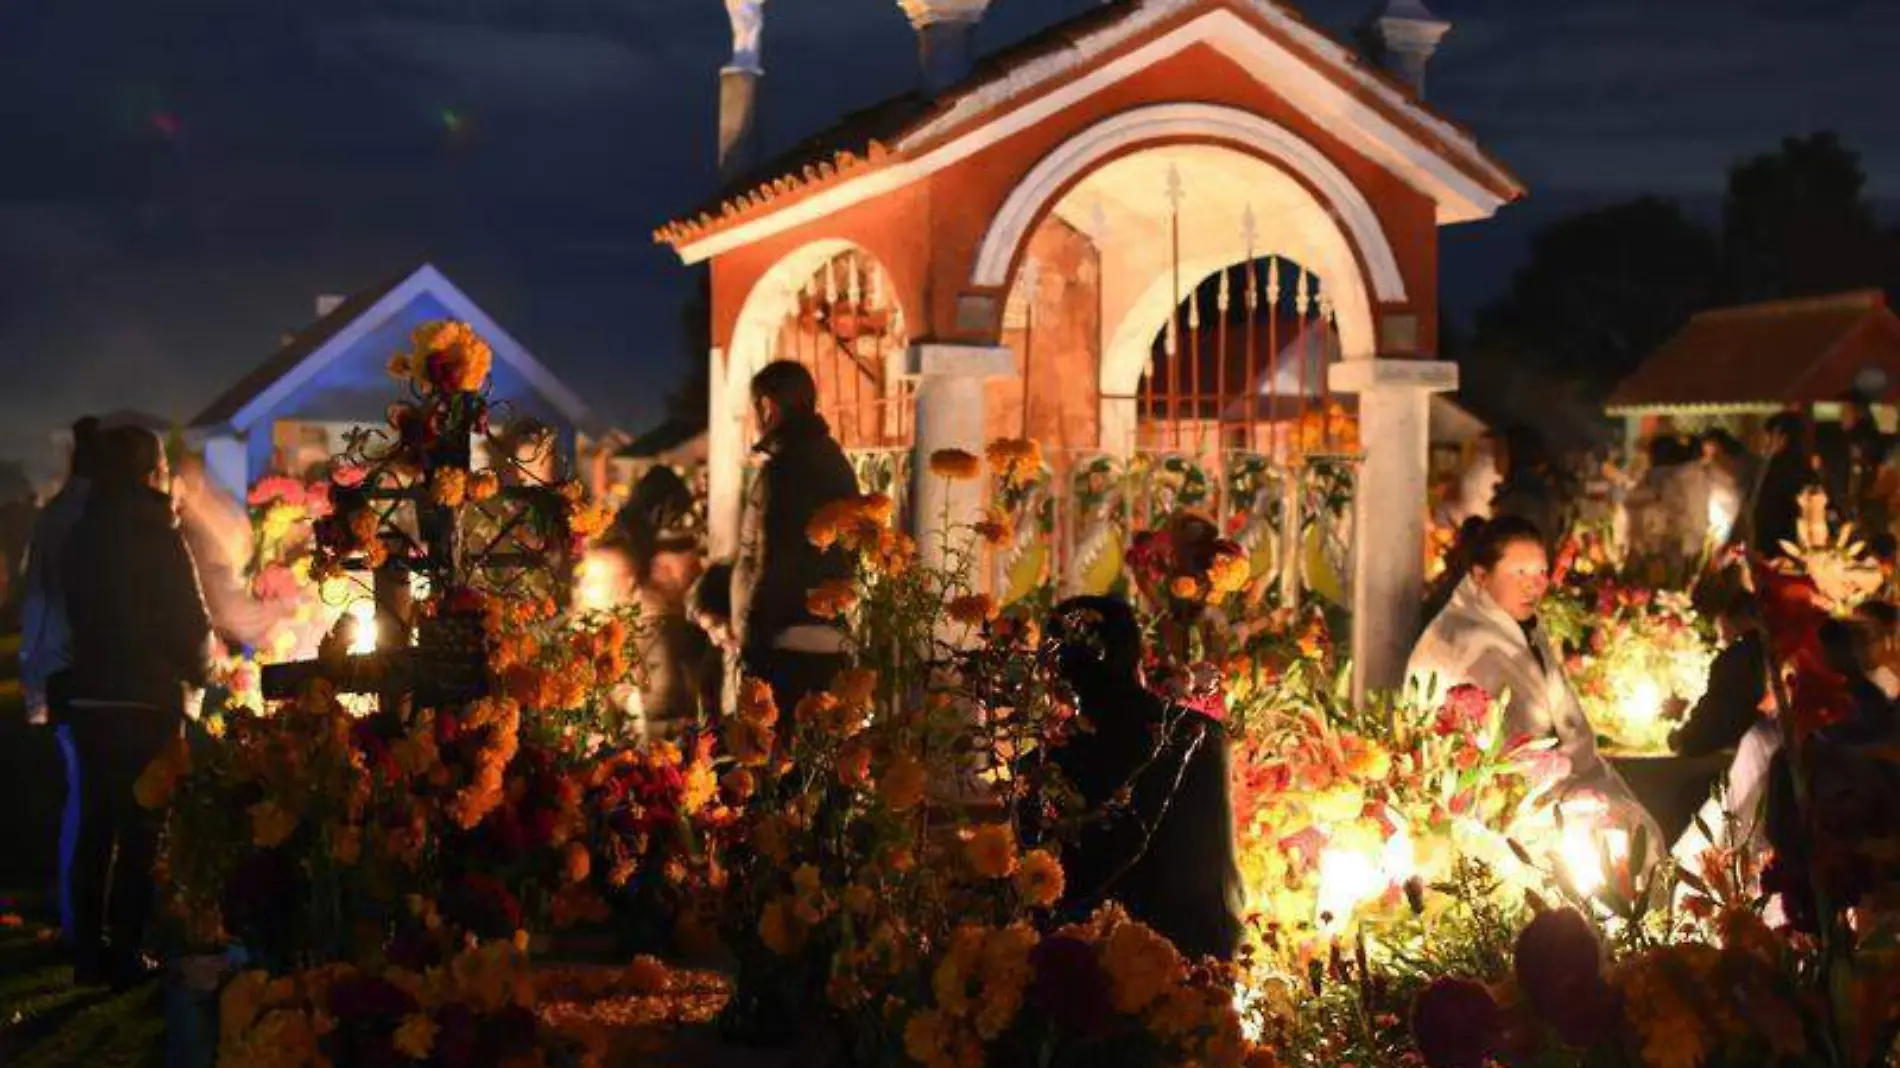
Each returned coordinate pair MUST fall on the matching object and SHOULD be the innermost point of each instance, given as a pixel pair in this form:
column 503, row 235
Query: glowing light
column 1589, row 851
column 362, row 628
column 1398, row 860
column 601, row 581
column 1721, row 519
column 1642, row 702
column 1347, row 879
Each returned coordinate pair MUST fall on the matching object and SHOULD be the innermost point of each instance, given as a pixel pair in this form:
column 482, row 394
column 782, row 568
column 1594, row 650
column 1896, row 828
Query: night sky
column 179, row 179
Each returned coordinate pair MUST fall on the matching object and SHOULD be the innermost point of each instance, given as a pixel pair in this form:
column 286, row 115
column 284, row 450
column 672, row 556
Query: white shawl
column 1475, row 642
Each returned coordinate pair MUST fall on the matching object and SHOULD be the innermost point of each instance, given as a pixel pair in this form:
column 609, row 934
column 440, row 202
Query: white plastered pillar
column 952, row 413
column 1389, row 509
column 725, row 463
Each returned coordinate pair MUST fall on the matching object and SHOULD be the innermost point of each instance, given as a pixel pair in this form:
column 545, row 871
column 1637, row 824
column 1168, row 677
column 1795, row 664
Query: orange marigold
column 1017, row 461
column 831, row 598
column 972, row 610
column 578, row 863
column 955, row 465
column 992, row 850
column 996, row 528
column 1039, row 879
column 483, row 485
column 902, row 787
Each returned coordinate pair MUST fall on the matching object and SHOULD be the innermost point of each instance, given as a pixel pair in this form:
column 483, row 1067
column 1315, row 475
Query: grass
column 46, row 1022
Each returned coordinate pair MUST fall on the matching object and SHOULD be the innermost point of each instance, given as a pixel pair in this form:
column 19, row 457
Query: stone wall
column 1063, row 354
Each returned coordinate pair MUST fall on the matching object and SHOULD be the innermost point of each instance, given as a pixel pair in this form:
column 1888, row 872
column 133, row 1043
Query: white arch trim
column 1088, row 149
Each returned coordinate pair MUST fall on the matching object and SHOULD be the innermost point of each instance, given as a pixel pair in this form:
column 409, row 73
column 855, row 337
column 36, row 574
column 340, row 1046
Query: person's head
column 188, row 478
column 1097, row 644
column 1719, row 444
column 1785, row 432
column 1510, row 564
column 86, row 443
column 781, row 390
column 709, row 605
column 660, row 529
column 132, row 457
column 1667, row 450
column 1885, row 549
column 1843, row 647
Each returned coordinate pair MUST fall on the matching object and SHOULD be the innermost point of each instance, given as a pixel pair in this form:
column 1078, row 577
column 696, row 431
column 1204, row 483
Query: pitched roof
column 322, row 341
column 1781, row 352
column 301, row 345
column 868, row 138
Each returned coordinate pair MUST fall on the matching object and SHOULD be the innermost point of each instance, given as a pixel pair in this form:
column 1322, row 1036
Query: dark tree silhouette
column 1797, row 223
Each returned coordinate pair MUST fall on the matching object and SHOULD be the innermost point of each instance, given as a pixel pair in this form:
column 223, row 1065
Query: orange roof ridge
column 1850, row 300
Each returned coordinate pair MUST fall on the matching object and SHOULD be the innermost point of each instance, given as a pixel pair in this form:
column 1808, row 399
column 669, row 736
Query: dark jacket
column 1774, row 510
column 1168, row 854
column 139, row 628
column 777, row 564
column 1738, row 680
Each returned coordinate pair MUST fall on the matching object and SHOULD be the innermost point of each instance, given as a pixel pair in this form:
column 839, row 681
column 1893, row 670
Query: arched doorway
column 830, row 306
column 1227, row 283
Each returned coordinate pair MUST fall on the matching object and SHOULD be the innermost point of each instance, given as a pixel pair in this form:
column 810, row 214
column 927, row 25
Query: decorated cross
column 412, row 510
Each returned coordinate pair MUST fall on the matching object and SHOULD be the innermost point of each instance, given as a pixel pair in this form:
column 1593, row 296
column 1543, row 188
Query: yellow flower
column 992, row 850
column 1140, row 965
column 702, row 785
column 779, row 928
column 972, row 610
column 1229, row 573
column 448, row 486
column 902, row 787
column 271, row 825
column 955, row 465
column 415, row 1038
column 1039, row 881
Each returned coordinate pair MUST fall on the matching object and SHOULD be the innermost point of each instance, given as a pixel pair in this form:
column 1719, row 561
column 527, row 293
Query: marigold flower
column 1141, row 965
column 831, row 598
column 822, row 529
column 1017, row 461
column 955, row 465
column 448, row 486
column 756, row 703
column 855, row 688
column 876, row 508
column 483, row 485
column 399, row 366
column 1229, row 573
column 996, row 528
column 1186, row 587
column 415, row 1037
column 1039, row 879
column 647, row 975
column 992, row 850
column 902, row 787
column 739, row 785
column 972, row 610
column 854, row 765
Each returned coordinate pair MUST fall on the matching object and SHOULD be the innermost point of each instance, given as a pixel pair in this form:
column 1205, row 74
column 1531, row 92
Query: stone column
column 725, row 464
column 1389, row 509
column 951, row 414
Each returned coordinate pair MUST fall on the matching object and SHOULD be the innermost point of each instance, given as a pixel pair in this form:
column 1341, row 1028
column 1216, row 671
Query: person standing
column 1775, row 504
column 660, row 534
column 780, row 641
column 140, row 634
column 46, row 637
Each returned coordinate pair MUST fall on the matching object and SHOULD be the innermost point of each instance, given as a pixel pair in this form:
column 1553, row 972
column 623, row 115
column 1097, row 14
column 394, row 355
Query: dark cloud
column 179, row 180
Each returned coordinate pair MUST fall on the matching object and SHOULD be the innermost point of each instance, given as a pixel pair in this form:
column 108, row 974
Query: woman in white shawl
column 1488, row 636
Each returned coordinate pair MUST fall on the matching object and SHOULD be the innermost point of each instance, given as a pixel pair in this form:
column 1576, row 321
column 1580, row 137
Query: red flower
column 1456, row 1024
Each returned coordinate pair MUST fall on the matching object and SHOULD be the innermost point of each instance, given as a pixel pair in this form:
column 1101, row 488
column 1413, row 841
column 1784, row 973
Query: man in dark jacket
column 780, row 640
column 1157, row 821
column 1738, row 685
column 140, row 636
column 1775, row 505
